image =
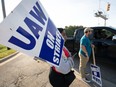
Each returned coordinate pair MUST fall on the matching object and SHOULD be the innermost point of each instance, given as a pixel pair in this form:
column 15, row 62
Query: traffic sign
column 96, row 74
column 29, row 29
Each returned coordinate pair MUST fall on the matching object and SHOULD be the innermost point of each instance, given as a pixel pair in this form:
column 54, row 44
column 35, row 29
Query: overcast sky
column 72, row 12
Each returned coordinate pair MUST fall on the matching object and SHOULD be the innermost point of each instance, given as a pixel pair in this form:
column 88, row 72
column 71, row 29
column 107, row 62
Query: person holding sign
column 85, row 52
column 63, row 75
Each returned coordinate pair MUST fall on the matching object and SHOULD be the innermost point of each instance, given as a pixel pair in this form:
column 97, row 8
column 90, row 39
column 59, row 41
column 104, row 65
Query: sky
column 72, row 12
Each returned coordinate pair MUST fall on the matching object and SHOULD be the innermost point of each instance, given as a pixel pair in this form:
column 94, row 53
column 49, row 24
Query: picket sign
column 95, row 71
column 29, row 29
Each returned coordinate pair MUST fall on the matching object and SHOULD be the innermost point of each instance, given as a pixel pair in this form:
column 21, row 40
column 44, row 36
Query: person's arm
column 66, row 64
column 84, row 50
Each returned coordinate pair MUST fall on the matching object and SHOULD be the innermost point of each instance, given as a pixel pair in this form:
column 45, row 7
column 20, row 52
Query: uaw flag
column 30, row 30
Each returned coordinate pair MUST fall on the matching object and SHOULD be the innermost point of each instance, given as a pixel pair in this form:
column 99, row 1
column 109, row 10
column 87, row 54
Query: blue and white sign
column 96, row 74
column 29, row 29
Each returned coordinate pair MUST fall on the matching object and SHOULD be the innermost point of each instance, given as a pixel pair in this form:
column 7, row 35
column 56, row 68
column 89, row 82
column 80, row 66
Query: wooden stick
column 74, row 55
column 94, row 62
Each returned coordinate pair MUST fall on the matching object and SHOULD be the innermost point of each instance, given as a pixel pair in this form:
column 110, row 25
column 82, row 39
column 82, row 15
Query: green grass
column 4, row 52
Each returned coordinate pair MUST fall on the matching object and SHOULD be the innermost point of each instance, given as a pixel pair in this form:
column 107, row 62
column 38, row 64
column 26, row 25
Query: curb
column 8, row 57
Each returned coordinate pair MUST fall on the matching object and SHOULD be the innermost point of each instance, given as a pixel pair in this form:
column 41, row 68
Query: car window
column 103, row 34
column 79, row 34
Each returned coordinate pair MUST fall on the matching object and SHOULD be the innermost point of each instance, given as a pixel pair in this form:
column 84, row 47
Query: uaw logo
column 96, row 75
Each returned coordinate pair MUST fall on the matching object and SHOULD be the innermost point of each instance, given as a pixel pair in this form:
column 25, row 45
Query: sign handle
column 93, row 56
column 74, row 55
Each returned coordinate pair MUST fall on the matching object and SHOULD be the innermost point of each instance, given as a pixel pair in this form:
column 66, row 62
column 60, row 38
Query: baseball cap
column 87, row 29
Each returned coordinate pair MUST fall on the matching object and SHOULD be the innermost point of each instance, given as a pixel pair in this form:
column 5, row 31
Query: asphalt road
column 23, row 71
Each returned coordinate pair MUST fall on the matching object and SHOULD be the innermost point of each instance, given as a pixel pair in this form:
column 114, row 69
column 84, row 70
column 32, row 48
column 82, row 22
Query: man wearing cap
column 85, row 52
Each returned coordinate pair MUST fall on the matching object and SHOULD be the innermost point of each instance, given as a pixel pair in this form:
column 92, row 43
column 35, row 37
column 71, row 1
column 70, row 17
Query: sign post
column 95, row 71
column 30, row 30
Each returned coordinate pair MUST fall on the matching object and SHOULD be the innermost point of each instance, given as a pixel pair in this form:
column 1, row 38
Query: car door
column 111, row 44
column 104, row 46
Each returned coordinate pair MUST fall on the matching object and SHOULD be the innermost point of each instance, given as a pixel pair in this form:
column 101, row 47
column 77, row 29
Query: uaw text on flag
column 30, row 30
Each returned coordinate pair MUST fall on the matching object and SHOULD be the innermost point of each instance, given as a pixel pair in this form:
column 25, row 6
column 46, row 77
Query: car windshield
column 113, row 28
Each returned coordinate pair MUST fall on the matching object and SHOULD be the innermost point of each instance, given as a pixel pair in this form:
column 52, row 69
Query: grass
column 4, row 52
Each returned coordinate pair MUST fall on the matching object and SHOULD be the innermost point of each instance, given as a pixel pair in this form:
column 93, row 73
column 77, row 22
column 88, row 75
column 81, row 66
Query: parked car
column 104, row 39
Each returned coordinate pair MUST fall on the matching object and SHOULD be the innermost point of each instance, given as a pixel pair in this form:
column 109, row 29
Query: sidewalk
column 78, row 81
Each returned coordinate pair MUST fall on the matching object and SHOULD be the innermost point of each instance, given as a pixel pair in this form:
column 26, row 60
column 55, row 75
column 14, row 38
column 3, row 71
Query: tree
column 70, row 30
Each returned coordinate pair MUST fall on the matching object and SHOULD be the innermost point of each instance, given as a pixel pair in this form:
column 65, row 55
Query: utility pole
column 3, row 8
column 4, row 13
column 101, row 14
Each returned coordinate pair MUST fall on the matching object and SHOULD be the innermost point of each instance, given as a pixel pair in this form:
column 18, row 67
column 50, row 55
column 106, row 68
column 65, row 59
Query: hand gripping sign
column 29, row 29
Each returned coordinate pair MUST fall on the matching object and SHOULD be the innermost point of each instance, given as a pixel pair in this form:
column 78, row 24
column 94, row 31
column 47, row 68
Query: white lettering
column 55, row 44
column 50, row 40
column 51, row 37
column 57, row 47
column 55, row 59
column 94, row 69
column 50, row 44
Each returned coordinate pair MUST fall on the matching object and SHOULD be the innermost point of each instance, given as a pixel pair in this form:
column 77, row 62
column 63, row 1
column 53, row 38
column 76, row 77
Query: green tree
column 70, row 30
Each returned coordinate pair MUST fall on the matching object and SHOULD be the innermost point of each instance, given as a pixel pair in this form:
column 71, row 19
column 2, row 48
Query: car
column 104, row 39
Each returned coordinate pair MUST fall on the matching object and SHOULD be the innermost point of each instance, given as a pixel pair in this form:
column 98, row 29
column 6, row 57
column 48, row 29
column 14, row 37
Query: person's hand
column 87, row 55
column 93, row 46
